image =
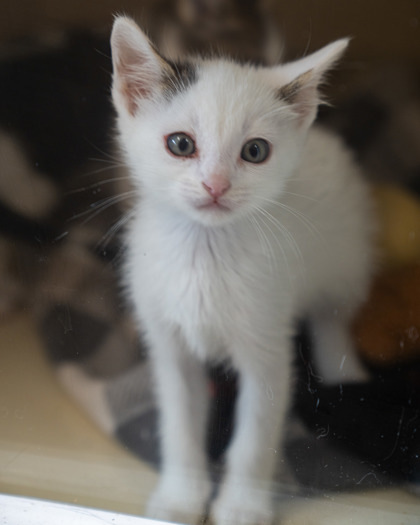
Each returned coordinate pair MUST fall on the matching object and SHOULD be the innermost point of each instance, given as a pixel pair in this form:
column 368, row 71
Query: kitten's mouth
column 213, row 205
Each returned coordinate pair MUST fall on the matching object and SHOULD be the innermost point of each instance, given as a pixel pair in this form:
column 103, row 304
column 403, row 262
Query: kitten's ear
column 138, row 69
column 303, row 77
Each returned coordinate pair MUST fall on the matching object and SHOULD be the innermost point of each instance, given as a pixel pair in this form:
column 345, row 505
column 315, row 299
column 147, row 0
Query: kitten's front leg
column 246, row 495
column 181, row 387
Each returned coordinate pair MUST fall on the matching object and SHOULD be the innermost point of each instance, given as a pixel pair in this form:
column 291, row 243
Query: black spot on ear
column 290, row 91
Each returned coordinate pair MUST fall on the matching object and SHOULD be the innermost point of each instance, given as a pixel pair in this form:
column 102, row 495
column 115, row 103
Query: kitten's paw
column 243, row 507
column 180, row 501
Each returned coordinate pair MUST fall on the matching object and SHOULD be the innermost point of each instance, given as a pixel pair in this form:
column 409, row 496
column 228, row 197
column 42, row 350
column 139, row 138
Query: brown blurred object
column 387, row 329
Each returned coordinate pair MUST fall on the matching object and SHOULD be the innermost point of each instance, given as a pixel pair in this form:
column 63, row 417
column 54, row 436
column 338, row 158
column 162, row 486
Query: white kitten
column 246, row 220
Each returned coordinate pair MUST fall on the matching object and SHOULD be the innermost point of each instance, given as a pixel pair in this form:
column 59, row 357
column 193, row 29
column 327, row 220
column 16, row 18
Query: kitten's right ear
column 302, row 77
column 138, row 69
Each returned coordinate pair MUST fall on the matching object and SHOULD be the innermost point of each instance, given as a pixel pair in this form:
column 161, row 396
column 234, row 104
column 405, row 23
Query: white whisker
column 106, row 154
column 99, row 183
column 266, row 247
column 286, row 234
column 299, row 195
column 115, row 160
column 298, row 214
column 102, row 205
column 276, row 239
column 115, row 228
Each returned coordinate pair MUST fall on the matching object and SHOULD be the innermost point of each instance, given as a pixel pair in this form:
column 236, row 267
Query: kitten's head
column 211, row 138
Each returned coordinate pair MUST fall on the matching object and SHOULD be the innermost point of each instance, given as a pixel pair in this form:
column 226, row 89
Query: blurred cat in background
column 56, row 156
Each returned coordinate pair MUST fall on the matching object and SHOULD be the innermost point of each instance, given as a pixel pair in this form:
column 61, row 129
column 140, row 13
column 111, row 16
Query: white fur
column 214, row 284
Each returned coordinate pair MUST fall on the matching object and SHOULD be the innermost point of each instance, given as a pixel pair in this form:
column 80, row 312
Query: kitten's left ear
column 302, row 78
column 138, row 68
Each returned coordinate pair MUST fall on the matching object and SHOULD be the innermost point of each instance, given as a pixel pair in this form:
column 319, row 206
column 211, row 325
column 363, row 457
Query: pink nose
column 216, row 186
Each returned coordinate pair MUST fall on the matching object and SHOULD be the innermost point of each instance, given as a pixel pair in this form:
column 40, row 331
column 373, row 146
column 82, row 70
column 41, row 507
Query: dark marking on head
column 180, row 77
column 289, row 92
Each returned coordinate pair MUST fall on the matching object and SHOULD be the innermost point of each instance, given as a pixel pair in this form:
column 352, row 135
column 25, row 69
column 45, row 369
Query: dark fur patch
column 289, row 92
column 182, row 75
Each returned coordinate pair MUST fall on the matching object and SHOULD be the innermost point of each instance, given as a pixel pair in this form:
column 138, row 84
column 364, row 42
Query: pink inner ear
column 134, row 70
column 132, row 86
column 130, row 78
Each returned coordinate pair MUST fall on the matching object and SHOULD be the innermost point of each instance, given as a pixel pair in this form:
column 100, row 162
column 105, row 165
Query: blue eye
column 181, row 144
column 255, row 150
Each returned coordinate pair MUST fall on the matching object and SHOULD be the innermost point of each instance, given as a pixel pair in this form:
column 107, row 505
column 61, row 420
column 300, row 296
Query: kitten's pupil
column 183, row 144
column 254, row 150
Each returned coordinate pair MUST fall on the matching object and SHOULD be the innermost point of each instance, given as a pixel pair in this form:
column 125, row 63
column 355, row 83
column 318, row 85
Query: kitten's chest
column 201, row 306
column 200, row 283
